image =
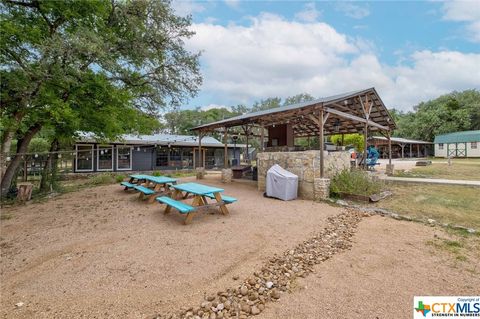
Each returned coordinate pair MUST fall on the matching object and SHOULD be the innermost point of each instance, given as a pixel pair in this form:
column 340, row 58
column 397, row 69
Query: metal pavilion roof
column 158, row 139
column 302, row 115
column 400, row 140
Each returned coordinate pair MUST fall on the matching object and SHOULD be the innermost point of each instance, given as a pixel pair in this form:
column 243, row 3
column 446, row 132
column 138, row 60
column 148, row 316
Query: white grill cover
column 281, row 183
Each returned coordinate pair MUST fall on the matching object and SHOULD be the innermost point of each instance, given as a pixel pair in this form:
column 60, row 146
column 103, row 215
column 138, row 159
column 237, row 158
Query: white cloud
column 309, row 13
column 353, row 10
column 186, row 7
column 276, row 57
column 215, row 106
column 464, row 11
column 233, row 3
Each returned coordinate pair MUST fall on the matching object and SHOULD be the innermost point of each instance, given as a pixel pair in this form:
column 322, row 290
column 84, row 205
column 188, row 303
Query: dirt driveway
column 101, row 253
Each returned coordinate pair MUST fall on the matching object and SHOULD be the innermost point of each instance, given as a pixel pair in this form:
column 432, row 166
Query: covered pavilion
column 353, row 112
column 402, row 147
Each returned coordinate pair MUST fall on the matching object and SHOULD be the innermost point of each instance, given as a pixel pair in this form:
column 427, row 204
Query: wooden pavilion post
column 410, row 150
column 418, row 150
column 200, row 157
column 322, row 154
column 194, row 161
column 262, row 138
column 389, row 149
column 225, row 148
column 365, row 153
column 246, row 130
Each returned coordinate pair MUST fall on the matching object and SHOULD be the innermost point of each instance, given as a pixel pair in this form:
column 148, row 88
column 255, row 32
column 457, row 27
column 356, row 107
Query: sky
column 410, row 51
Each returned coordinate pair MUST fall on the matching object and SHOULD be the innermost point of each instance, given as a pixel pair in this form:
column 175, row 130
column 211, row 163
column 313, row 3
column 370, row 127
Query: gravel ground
column 101, row 253
column 390, row 262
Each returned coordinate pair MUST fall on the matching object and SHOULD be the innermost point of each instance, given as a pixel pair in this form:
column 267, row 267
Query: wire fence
column 32, row 165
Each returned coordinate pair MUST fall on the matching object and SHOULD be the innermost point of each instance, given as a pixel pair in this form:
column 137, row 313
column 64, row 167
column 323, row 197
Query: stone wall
column 306, row 165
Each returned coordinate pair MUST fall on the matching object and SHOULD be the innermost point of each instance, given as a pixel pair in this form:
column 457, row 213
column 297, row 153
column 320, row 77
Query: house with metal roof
column 402, row 147
column 151, row 152
column 458, row 144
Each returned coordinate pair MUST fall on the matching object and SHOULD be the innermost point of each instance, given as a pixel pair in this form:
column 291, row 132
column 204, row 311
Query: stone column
column 200, row 172
column 321, row 188
column 226, row 175
column 389, row 169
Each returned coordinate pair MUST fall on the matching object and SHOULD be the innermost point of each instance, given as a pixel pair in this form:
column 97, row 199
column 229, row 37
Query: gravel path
column 438, row 181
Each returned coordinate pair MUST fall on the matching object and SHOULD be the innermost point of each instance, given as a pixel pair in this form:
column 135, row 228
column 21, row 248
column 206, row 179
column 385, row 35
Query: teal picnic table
column 135, row 180
column 159, row 182
column 200, row 194
column 153, row 186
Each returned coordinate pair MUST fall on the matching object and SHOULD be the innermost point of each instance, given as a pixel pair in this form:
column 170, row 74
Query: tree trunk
column 22, row 147
column 48, row 173
column 7, row 139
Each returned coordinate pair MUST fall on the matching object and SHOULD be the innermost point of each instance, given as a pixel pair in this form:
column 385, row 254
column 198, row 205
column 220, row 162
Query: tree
column 457, row 111
column 355, row 140
column 269, row 103
column 104, row 66
column 299, row 98
column 181, row 122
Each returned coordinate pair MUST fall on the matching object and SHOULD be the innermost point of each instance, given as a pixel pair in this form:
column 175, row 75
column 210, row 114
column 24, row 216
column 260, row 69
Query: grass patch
column 102, row 179
column 178, row 174
column 464, row 250
column 356, row 182
column 181, row 174
column 469, row 160
column 4, row 216
column 459, row 170
column 449, row 204
column 120, row 178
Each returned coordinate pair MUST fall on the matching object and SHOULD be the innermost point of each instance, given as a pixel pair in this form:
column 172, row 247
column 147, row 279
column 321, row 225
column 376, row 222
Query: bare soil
column 391, row 262
column 101, row 253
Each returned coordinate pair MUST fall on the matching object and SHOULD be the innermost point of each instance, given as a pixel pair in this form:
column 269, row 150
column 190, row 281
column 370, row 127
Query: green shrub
column 119, row 178
column 355, row 182
column 157, row 173
column 102, row 179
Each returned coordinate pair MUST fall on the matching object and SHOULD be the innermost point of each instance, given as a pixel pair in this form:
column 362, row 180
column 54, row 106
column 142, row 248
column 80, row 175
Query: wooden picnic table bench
column 201, row 193
column 135, row 179
column 128, row 185
column 152, row 187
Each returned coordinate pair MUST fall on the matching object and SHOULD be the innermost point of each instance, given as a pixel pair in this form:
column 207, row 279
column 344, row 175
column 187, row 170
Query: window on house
column 84, row 158
column 440, row 146
column 187, row 157
column 162, row 156
column 124, row 158
column 473, row 145
column 175, row 157
column 105, row 158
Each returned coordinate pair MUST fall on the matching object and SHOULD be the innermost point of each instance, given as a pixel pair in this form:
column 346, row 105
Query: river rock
column 244, row 290
column 255, row 311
